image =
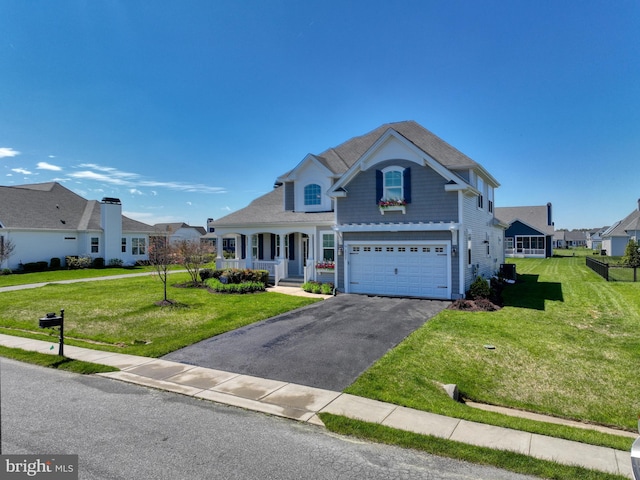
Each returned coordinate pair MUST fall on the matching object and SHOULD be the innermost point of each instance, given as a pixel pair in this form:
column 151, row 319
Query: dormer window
column 312, row 194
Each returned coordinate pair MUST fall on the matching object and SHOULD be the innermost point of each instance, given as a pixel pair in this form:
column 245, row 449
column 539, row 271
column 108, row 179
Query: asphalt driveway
column 325, row 345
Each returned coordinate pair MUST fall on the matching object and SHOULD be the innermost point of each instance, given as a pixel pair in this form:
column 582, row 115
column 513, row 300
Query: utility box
column 508, row 271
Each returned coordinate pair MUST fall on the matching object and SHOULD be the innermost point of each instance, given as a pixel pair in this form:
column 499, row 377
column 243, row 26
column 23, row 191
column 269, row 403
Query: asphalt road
column 124, row 432
column 324, row 345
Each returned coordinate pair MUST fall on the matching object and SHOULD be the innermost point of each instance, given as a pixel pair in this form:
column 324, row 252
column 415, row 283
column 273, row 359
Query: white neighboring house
column 179, row 231
column 47, row 220
column 616, row 237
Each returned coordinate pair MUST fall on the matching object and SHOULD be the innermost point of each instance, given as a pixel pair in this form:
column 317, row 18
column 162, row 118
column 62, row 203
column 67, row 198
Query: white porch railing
column 268, row 265
column 281, row 270
column 225, row 263
column 520, row 252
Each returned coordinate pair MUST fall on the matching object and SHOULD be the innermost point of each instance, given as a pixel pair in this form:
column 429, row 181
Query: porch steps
column 291, row 282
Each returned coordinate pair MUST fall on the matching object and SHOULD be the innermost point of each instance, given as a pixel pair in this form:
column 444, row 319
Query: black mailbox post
column 53, row 320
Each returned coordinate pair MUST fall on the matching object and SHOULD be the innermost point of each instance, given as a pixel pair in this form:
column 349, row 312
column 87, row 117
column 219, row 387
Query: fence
column 613, row 273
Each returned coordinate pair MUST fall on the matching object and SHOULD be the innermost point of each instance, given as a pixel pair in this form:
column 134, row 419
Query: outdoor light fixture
column 52, row 320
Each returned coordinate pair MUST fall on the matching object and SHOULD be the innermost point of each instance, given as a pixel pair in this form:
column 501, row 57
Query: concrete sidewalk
column 302, row 403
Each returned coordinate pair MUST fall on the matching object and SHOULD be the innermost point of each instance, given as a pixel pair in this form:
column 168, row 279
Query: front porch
column 288, row 257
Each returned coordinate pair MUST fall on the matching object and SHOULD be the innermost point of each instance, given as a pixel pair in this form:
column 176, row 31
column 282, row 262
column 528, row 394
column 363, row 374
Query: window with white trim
column 123, row 248
column 312, row 194
column 138, row 246
column 392, row 185
column 481, row 196
column 95, row 244
column 328, row 247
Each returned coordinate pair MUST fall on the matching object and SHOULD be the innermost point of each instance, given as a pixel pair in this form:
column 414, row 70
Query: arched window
column 393, row 184
column 312, row 194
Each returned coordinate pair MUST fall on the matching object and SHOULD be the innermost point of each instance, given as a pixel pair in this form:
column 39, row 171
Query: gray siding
column 429, row 203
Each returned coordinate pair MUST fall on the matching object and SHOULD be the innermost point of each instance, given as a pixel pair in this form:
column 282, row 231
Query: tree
column 6, row 249
column 631, row 256
column 162, row 254
column 193, row 255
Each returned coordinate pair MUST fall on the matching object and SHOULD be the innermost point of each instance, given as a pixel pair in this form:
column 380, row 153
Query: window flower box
column 325, row 267
column 399, row 205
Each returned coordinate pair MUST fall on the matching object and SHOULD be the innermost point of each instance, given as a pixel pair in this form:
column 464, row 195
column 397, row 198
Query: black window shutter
column 292, row 244
column 379, row 186
column 407, row 184
column 260, row 246
column 243, row 247
column 273, row 246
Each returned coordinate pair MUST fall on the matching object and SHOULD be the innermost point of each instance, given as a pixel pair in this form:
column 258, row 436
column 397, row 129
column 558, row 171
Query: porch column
column 219, row 247
column 238, row 249
column 280, row 254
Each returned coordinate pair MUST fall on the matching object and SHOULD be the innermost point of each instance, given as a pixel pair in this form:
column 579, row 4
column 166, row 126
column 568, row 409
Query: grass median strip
column 54, row 361
column 511, row 461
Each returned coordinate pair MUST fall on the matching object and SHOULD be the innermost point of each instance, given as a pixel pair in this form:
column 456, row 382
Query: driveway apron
column 325, row 345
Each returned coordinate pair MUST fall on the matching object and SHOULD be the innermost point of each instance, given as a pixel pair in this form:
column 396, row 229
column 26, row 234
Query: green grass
column 566, row 345
column 511, row 461
column 59, row 275
column 122, row 315
column 54, row 361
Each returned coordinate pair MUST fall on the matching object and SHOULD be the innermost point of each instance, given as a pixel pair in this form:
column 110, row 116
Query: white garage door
column 417, row 270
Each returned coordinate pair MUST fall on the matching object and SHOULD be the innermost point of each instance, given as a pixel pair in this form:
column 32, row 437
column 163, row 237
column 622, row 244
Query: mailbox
column 52, row 320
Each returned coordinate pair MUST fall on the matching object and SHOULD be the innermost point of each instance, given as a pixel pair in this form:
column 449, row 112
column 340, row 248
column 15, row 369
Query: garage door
column 416, row 270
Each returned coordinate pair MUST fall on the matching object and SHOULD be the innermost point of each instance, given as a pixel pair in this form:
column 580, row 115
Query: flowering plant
column 326, row 265
column 398, row 202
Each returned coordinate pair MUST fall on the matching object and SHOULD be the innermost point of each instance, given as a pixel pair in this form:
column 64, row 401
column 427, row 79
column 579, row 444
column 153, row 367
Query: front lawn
column 122, row 315
column 566, row 344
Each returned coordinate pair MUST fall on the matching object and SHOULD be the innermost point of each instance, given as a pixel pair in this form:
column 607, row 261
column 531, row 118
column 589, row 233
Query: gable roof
column 269, row 209
column 51, row 206
column 534, row 216
column 339, row 159
column 629, row 223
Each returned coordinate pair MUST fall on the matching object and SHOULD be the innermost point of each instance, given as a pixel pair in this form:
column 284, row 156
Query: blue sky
column 190, row 109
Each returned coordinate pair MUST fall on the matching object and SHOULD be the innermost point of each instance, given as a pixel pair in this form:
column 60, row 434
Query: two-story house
column 396, row 211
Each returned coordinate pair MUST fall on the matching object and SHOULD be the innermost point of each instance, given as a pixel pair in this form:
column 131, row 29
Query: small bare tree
column 193, row 255
column 6, row 249
column 162, row 254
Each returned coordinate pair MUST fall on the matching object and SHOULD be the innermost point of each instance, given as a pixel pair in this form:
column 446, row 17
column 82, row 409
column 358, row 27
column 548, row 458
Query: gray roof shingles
column 51, row 206
column 269, row 207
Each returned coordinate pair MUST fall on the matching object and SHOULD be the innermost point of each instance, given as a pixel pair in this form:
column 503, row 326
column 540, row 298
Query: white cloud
column 48, row 166
column 114, row 176
column 8, row 152
column 189, row 203
column 135, row 191
column 21, row 170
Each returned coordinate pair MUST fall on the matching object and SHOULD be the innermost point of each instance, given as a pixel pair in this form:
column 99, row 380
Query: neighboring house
column 397, row 211
column 568, row 239
column 559, row 239
column 179, row 231
column 616, row 237
column 47, row 220
column 594, row 238
column 576, row 238
column 530, row 232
